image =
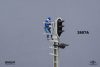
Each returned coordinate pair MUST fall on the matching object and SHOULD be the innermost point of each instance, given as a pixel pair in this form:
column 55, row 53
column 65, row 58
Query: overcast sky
column 22, row 39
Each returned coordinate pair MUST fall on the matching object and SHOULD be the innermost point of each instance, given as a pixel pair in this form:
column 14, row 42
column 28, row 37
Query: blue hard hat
column 49, row 18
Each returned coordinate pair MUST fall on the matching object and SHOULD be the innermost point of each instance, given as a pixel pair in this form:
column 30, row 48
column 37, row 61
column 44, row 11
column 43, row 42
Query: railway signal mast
column 57, row 29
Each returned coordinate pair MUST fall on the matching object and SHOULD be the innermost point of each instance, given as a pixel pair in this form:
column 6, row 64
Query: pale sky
column 22, row 39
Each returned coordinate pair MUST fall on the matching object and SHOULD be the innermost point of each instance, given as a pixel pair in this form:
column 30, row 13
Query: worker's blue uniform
column 47, row 27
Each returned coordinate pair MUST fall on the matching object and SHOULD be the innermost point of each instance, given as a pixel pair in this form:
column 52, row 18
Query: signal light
column 59, row 26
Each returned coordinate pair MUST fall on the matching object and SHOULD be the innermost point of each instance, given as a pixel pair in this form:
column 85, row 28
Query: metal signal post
column 55, row 57
column 55, row 45
column 56, row 33
column 56, row 36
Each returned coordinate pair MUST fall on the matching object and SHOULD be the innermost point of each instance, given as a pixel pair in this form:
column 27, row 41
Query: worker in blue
column 47, row 27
